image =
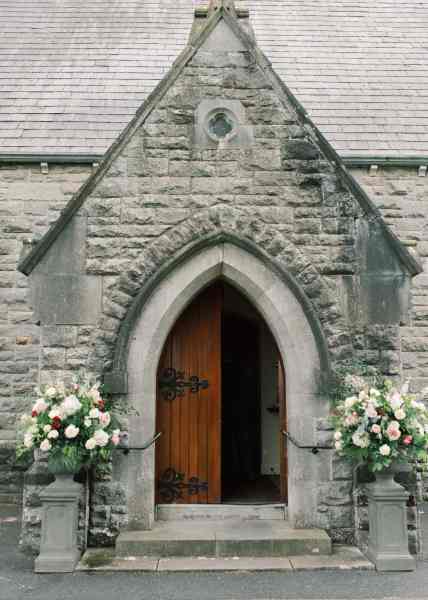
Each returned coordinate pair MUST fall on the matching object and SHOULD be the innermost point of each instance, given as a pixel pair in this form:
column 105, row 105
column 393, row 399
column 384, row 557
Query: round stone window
column 220, row 124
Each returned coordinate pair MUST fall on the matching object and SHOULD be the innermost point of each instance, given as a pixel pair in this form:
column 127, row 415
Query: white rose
column 91, row 444
column 338, row 445
column 87, row 422
column 47, row 428
column 337, row 435
column 53, row 434
column 51, row 392
column 101, row 437
column 71, row 432
column 385, row 450
column 45, row 445
column 399, row 414
column 94, row 413
column 40, row 406
column 28, row 440
column 374, row 392
column 71, row 405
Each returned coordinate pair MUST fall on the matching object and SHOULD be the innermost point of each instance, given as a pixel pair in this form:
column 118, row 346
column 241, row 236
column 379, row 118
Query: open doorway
column 252, row 406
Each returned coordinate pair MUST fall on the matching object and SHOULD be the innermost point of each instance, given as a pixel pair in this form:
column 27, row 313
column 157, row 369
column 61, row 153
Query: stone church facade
column 220, row 176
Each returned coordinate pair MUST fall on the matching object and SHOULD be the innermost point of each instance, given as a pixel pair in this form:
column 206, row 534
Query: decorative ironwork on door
column 173, row 384
column 172, row 485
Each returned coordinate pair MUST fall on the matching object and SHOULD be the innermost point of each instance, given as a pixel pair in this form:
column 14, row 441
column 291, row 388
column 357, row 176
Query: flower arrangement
column 73, row 425
column 380, row 424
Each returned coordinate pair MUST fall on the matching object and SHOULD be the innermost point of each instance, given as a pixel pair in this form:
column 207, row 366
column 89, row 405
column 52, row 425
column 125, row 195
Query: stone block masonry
column 30, row 201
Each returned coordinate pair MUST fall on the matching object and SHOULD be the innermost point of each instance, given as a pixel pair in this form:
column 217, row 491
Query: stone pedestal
column 388, row 537
column 58, row 548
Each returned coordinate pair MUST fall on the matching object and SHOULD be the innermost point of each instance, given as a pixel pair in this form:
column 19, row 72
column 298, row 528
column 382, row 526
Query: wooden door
column 188, row 455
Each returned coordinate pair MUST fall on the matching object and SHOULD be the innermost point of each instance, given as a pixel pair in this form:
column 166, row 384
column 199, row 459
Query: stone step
column 219, row 512
column 257, row 538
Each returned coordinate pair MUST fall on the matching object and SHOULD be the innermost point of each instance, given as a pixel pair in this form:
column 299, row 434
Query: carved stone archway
column 298, row 334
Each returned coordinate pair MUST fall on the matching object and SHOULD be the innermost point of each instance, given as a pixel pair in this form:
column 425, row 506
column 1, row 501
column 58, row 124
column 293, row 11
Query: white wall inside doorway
column 270, row 426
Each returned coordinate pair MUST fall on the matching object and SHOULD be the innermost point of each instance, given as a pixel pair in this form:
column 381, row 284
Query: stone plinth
column 59, row 552
column 388, row 538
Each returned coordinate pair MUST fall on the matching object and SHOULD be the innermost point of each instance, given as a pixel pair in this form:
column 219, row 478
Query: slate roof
column 73, row 73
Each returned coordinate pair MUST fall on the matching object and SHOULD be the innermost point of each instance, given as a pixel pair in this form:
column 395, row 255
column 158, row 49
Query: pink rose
column 408, row 440
column 115, row 439
column 376, row 429
column 393, row 431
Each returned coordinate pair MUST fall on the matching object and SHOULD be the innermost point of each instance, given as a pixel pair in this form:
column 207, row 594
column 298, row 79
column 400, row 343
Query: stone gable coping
column 407, row 260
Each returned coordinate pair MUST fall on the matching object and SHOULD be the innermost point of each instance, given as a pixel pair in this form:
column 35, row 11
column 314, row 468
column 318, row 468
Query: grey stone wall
column 402, row 197
column 29, row 202
column 160, row 195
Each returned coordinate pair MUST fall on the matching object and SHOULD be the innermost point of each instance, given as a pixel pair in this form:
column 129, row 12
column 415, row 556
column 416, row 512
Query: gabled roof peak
column 228, row 5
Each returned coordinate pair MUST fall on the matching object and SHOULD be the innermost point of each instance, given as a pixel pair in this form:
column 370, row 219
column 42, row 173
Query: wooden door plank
column 192, row 422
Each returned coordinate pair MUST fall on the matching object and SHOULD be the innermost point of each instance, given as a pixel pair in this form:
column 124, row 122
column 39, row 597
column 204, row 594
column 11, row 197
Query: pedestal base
column 58, row 547
column 388, row 535
column 388, row 562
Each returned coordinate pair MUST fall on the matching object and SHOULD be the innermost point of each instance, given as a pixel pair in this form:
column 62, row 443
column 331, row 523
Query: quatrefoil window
column 220, row 125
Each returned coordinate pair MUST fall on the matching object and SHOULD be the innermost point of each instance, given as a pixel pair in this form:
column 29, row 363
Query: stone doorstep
column 343, row 558
column 243, row 538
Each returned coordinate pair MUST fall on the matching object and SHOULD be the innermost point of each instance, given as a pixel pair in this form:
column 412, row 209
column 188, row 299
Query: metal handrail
column 312, row 448
column 145, row 446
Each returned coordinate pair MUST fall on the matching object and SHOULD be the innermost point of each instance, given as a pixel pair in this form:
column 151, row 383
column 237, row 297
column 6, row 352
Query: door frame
column 297, row 331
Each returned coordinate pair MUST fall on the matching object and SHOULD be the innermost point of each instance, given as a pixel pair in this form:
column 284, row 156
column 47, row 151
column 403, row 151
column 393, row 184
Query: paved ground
column 18, row 582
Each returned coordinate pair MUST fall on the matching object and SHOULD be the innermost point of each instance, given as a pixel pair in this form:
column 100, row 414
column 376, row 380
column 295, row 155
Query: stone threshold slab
column 344, row 558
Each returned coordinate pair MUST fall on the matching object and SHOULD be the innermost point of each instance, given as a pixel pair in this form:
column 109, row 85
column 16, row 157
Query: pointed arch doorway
column 220, row 406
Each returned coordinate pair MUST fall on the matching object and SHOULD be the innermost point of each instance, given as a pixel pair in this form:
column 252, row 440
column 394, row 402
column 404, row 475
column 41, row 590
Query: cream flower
column 53, row 434
column 56, row 412
column 71, row 405
column 94, row 413
column 95, row 394
column 351, row 420
column 91, row 444
column 360, row 439
column 337, row 445
column 385, row 450
column 28, row 440
column 45, row 446
column 337, row 435
column 71, row 432
column 399, row 414
column 87, row 421
column 349, row 402
column 395, row 400
column 101, row 437
column 47, row 428
column 51, row 392
column 40, row 406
